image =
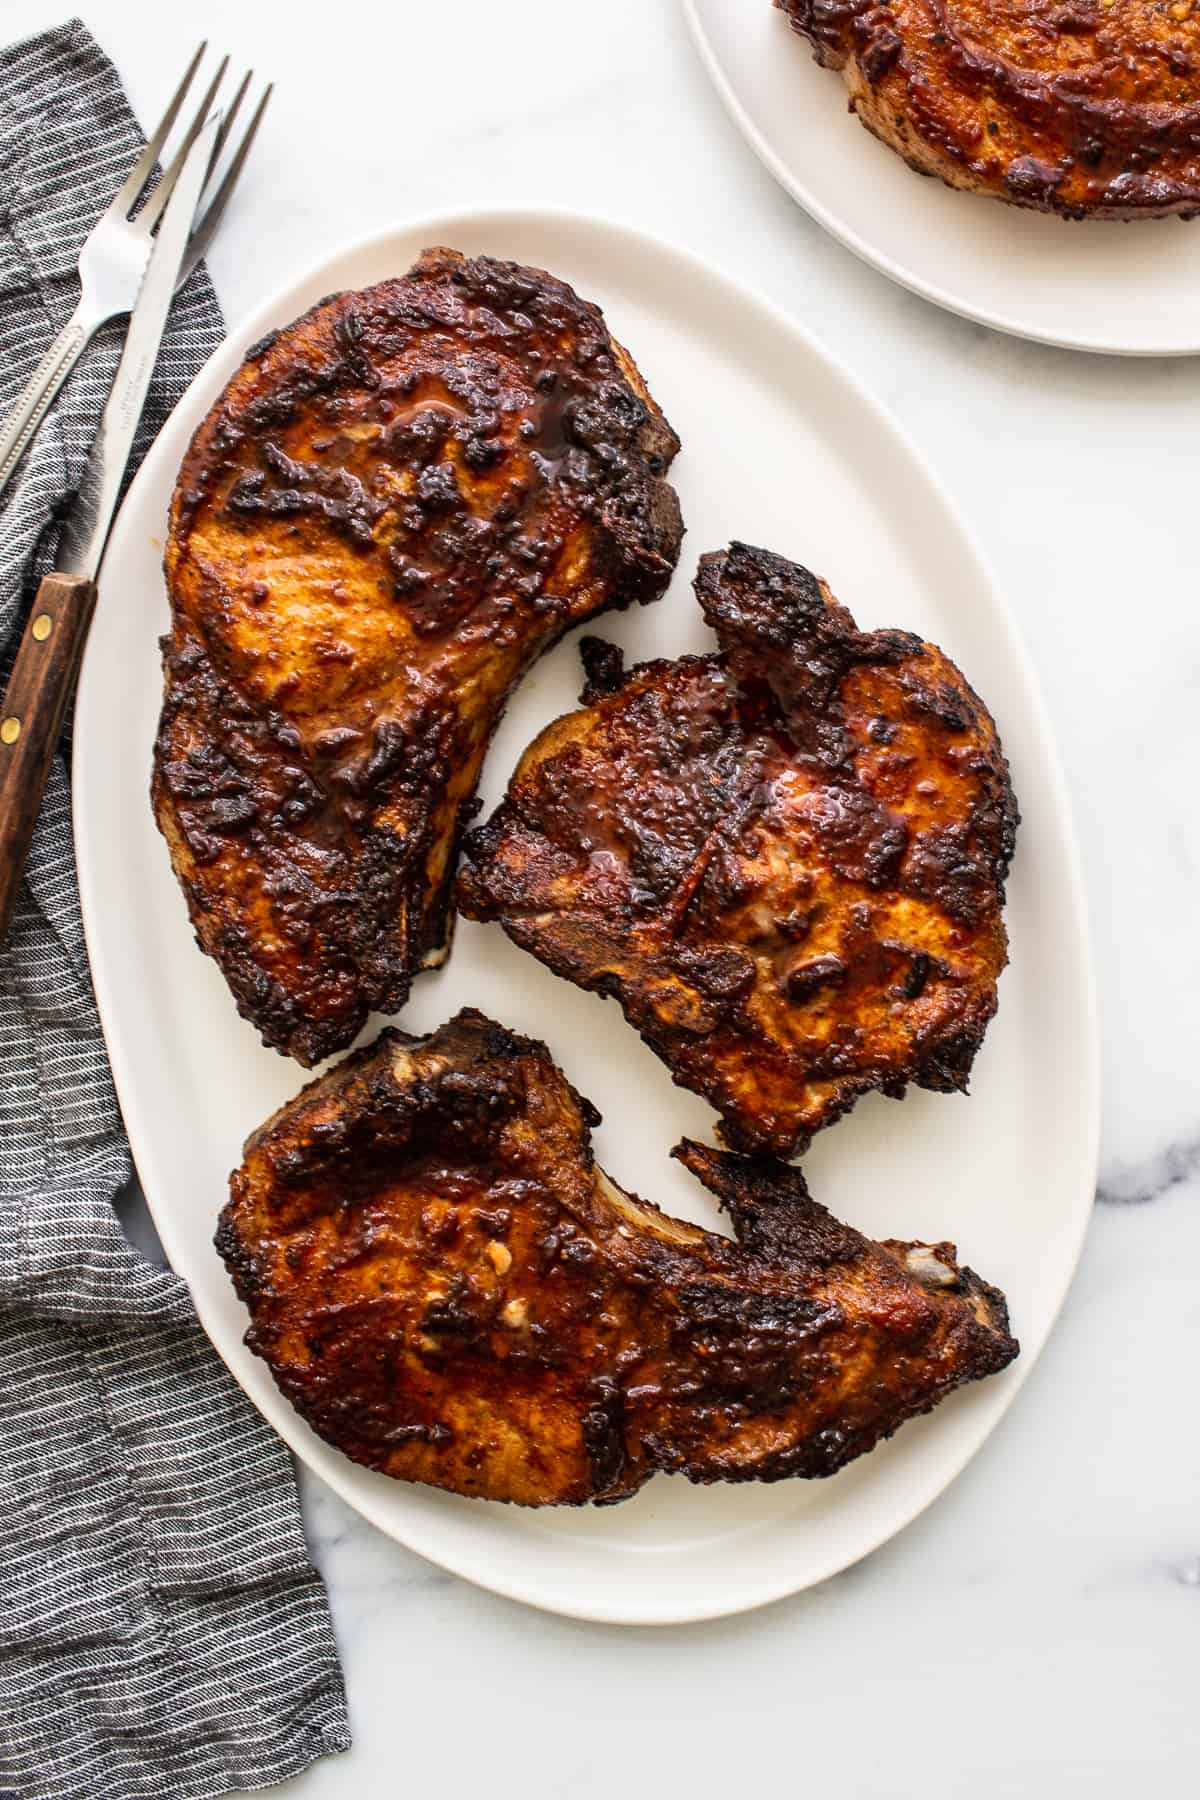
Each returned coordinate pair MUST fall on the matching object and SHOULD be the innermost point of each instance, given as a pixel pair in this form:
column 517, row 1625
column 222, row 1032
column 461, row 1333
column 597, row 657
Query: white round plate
column 1123, row 289
column 782, row 448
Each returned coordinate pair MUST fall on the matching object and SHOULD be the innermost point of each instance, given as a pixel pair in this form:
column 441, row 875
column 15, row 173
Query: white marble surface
column 1035, row 1632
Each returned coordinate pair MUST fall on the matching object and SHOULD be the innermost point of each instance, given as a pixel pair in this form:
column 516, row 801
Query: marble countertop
column 1035, row 1631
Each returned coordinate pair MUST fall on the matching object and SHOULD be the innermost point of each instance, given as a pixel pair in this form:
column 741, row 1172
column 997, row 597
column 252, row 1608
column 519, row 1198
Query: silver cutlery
column 48, row 657
column 115, row 255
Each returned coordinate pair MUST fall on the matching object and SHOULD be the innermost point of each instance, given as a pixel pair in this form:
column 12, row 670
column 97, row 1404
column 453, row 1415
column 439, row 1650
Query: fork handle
column 31, row 717
column 44, row 383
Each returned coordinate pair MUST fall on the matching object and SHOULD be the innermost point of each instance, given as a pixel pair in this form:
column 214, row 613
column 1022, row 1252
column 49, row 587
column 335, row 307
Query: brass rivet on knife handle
column 31, row 716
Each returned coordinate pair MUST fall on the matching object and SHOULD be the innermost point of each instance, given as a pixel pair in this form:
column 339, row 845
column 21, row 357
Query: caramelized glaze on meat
column 396, row 505
column 1089, row 108
column 785, row 861
column 449, row 1290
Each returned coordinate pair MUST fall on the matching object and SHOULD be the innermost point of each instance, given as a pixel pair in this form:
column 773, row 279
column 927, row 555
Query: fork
column 117, row 249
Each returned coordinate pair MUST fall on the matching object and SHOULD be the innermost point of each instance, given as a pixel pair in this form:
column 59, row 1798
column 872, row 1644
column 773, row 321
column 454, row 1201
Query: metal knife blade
column 86, row 531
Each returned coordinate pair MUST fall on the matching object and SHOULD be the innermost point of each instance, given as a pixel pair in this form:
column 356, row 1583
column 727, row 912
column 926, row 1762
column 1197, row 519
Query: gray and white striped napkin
column 162, row 1630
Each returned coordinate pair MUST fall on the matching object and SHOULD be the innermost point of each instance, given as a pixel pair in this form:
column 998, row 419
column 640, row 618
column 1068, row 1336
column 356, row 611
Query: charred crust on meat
column 396, row 506
column 449, row 1290
column 259, row 348
column 1087, row 110
column 785, row 861
column 603, row 667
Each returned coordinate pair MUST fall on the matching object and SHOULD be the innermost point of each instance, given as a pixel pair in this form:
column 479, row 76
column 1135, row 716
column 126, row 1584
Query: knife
column 43, row 674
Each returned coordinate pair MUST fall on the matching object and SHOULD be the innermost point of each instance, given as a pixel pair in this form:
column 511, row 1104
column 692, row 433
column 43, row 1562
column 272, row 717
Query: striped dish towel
column 162, row 1630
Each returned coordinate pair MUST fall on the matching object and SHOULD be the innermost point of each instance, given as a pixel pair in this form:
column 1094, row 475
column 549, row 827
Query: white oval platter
column 781, row 447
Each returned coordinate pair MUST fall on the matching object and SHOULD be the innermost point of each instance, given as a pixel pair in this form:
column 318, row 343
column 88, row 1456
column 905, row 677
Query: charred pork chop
column 786, row 861
column 1089, row 109
column 449, row 1290
column 396, row 505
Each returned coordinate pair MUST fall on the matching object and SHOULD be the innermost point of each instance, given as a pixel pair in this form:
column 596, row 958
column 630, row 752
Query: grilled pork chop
column 397, row 504
column 449, row 1290
column 786, row 861
column 1085, row 108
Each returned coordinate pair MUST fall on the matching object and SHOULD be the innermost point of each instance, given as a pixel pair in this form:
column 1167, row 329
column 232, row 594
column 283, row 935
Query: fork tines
column 216, row 192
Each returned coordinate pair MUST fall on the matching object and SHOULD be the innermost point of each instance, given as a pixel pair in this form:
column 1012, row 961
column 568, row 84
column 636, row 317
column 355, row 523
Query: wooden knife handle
column 31, row 717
